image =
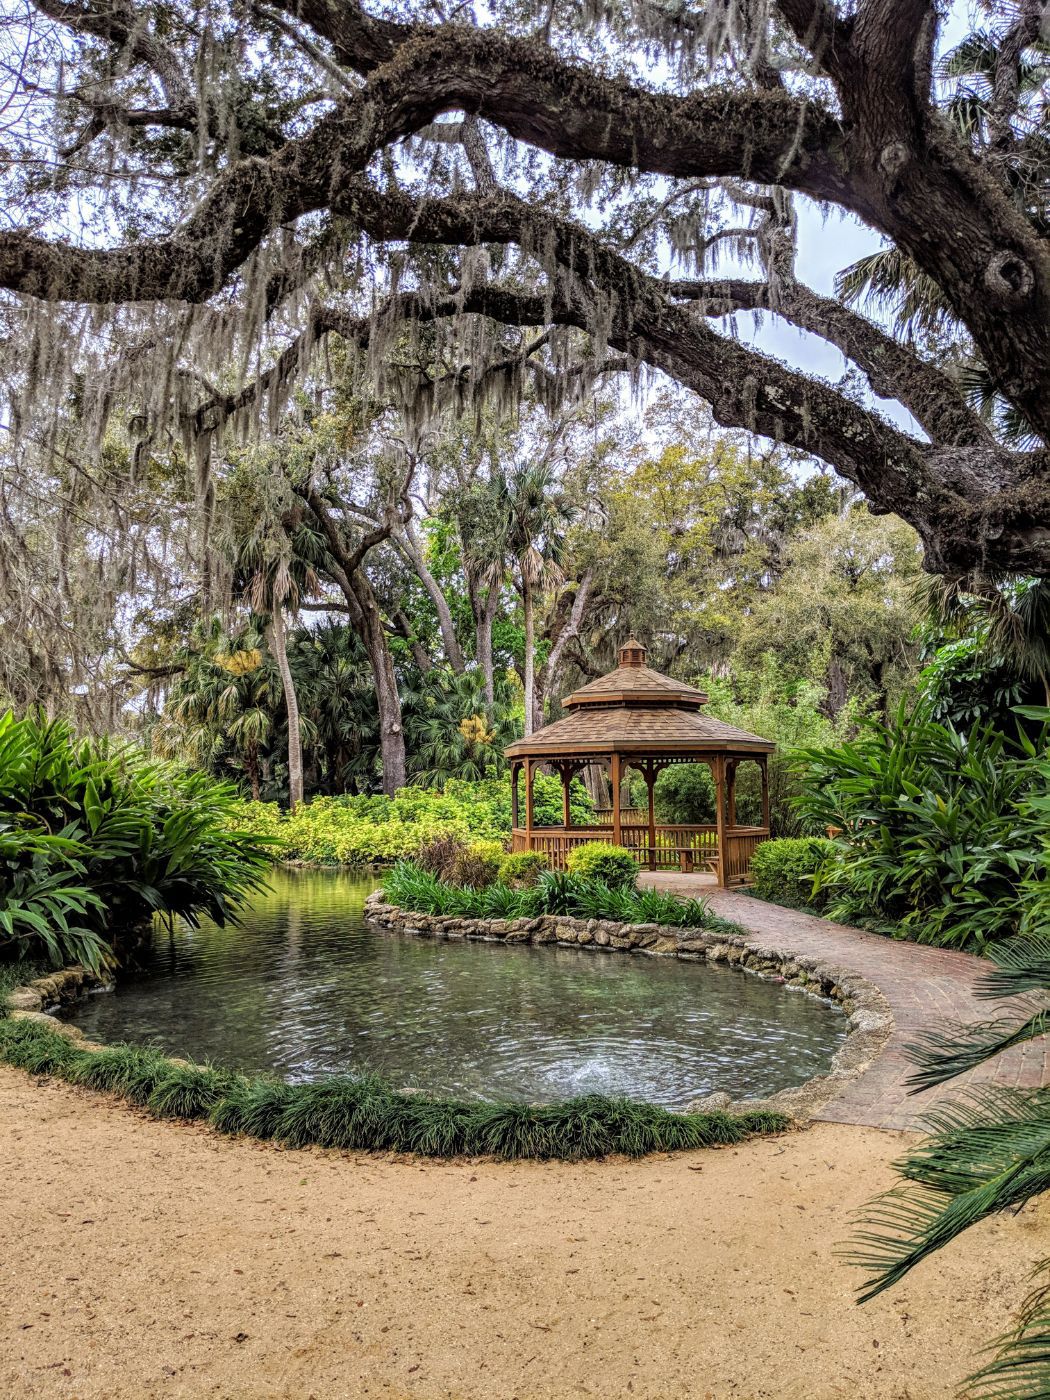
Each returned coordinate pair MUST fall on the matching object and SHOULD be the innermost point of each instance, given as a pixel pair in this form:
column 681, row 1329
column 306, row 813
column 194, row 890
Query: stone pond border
column 869, row 1025
column 870, row 1020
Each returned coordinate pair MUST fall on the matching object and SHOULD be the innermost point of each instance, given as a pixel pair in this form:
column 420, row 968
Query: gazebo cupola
column 635, row 717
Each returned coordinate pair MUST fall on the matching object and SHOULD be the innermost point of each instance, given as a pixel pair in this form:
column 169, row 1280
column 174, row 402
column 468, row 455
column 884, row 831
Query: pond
column 304, row 987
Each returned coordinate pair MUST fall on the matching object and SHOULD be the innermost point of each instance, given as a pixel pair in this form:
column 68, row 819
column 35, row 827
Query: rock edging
column 54, row 989
column 869, row 1026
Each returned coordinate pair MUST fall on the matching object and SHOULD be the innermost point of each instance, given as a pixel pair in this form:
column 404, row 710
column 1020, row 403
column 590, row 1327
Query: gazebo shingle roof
column 655, row 729
column 636, row 709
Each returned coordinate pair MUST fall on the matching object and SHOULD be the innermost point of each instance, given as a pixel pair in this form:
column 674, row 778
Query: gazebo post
column 616, row 775
column 719, row 771
column 763, row 763
column 528, row 804
column 515, row 774
column 650, row 783
column 566, row 810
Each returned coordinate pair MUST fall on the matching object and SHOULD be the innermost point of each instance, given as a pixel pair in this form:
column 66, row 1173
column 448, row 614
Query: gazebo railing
column 604, row 815
column 678, row 847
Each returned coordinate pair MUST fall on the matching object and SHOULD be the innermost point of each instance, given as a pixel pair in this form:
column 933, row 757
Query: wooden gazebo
column 634, row 717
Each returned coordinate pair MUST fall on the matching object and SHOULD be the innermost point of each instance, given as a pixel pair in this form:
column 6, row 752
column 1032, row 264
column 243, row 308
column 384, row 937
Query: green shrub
column 478, row 865
column 522, row 869
column 597, row 860
column 374, row 829
column 785, row 870
column 95, row 838
column 943, row 834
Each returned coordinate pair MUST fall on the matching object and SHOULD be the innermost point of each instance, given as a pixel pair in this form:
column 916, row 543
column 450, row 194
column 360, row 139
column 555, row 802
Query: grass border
column 366, row 1114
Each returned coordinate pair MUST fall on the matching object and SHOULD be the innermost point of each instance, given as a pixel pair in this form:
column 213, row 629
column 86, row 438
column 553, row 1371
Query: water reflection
column 305, row 988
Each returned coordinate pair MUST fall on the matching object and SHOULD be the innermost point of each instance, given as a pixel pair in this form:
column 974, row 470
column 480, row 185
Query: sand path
column 142, row 1259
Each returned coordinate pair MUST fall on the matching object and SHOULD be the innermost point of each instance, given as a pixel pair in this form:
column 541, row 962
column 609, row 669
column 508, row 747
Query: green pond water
column 304, row 987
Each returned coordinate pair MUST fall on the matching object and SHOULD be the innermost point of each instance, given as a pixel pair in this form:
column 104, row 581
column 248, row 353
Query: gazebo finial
column 632, row 653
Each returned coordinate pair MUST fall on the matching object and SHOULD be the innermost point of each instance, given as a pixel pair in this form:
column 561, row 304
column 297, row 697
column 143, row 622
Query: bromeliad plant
column 989, row 1152
column 95, row 839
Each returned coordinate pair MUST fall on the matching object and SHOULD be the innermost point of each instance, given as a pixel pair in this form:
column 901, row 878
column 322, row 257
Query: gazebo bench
column 689, row 858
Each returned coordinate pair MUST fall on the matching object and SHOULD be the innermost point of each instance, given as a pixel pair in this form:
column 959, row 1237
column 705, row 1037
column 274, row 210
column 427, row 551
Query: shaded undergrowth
column 367, row 1114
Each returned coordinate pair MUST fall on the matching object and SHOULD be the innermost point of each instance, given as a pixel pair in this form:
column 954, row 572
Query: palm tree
column 274, row 553
column 989, row 1153
column 1009, row 618
column 220, row 710
column 452, row 732
column 536, row 515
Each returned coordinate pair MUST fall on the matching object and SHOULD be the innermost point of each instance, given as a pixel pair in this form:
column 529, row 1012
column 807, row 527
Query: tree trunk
column 252, row 764
column 484, row 617
column 453, row 651
column 347, row 571
column 278, row 644
column 530, row 658
column 391, row 733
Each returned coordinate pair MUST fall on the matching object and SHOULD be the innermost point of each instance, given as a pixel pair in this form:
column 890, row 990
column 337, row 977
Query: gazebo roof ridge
column 634, row 683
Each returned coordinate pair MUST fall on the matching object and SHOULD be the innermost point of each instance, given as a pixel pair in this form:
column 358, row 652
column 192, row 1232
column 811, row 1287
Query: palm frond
column 1020, row 1368
column 944, row 1053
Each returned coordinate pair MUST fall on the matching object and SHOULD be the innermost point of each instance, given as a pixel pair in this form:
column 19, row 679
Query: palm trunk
column 253, row 771
column 278, row 643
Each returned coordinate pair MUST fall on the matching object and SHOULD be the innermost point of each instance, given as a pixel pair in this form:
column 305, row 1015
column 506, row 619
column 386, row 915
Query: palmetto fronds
column 988, row 1152
column 891, row 283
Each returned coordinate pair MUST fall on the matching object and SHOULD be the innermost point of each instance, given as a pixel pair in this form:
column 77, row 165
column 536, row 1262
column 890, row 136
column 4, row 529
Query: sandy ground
column 142, row 1259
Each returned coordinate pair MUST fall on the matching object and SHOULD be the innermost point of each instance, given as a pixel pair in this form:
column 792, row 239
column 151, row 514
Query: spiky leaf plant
column 988, row 1152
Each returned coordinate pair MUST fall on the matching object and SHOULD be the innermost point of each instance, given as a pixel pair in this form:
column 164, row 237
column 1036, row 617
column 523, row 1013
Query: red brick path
column 922, row 985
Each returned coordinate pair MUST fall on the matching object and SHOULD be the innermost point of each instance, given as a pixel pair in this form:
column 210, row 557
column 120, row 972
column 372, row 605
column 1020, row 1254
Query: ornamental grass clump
column 365, row 1113
column 130, row 1071
column 554, row 892
column 252, row 1107
column 188, row 1091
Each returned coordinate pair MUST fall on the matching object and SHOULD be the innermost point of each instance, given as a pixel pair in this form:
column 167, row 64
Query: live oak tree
column 201, row 196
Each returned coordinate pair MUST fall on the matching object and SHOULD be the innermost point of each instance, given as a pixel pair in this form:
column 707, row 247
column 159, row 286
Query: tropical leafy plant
column 96, row 838
column 942, row 833
column 989, row 1152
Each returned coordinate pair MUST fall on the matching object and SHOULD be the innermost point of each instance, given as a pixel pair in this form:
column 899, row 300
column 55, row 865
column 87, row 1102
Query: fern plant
column 988, row 1152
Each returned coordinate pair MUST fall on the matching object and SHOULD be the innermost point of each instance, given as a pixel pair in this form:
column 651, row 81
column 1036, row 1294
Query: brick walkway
column 922, row 985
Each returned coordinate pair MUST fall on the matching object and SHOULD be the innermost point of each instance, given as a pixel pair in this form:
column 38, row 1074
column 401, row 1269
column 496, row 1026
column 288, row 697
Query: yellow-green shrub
column 599, row 860
column 522, row 869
